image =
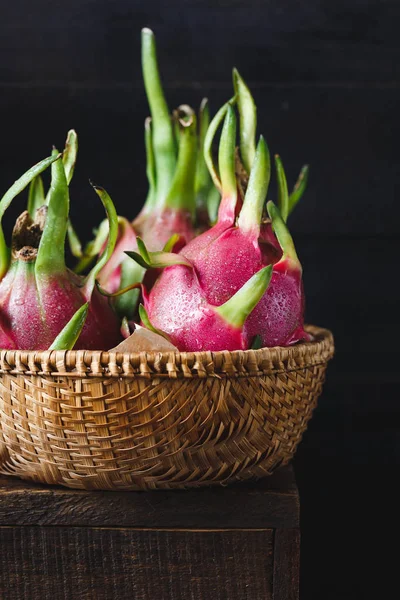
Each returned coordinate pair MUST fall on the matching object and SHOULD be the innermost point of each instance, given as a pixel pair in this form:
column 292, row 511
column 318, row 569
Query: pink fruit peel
column 190, row 322
column 38, row 294
column 227, row 256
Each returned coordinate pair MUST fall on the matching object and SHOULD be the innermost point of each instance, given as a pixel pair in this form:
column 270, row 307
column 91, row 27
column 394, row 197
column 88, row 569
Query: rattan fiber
column 112, row 421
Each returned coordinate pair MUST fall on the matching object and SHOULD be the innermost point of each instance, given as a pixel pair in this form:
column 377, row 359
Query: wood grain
column 270, row 503
column 286, row 564
column 122, row 564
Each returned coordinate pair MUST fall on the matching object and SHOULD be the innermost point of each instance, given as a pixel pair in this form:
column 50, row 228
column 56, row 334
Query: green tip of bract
column 236, row 310
column 171, row 242
column 112, row 235
column 283, row 194
column 282, row 233
column 69, row 335
column 163, row 137
column 226, row 154
column 156, row 260
column 248, row 120
column 257, row 188
column 51, row 252
column 70, row 154
column 209, row 138
column 299, row 188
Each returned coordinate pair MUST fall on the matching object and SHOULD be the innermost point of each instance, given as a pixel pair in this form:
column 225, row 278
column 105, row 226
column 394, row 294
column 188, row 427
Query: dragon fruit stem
column 51, row 251
column 208, row 141
column 248, row 121
column 282, row 233
column 162, row 128
column 181, row 193
column 283, row 194
column 299, row 188
column 236, row 310
column 111, row 240
column 69, row 335
column 36, row 196
column 226, row 156
column 251, row 213
column 18, row 186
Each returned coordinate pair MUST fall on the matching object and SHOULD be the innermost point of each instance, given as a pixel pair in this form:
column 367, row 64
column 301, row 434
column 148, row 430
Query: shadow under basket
column 115, row 421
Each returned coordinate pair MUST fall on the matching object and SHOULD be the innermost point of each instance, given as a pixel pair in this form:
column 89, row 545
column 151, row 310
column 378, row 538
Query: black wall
column 325, row 76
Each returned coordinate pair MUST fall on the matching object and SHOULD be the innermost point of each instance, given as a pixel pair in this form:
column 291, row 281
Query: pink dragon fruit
column 38, row 294
column 227, row 256
column 193, row 324
column 239, row 251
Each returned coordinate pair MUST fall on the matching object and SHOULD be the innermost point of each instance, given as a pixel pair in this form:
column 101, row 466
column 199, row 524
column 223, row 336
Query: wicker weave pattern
column 145, row 421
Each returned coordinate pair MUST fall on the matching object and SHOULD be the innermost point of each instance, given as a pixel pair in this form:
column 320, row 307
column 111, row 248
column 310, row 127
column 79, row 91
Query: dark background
column 325, row 77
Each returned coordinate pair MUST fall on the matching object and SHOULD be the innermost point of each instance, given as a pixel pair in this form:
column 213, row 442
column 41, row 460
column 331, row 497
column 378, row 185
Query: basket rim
column 90, row 363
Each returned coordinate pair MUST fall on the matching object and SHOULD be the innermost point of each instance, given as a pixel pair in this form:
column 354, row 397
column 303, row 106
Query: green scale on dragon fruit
column 39, row 295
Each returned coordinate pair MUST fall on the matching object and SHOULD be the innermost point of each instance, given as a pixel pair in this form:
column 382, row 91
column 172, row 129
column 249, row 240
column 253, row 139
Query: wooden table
column 235, row 543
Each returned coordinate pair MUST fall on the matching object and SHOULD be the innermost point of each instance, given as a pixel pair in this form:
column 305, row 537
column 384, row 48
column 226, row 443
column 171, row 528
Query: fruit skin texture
column 280, row 311
column 227, row 256
column 191, row 323
column 38, row 293
column 185, row 316
column 229, row 260
column 32, row 313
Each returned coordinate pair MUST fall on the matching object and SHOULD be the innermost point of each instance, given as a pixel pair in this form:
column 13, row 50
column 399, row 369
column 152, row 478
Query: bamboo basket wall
column 114, row 421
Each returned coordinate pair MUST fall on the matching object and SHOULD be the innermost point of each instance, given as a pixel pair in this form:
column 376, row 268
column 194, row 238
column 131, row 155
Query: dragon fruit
column 192, row 323
column 239, row 251
column 38, row 294
column 228, row 255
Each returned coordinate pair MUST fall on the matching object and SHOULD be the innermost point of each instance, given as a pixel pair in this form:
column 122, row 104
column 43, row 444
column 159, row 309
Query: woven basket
column 115, row 421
